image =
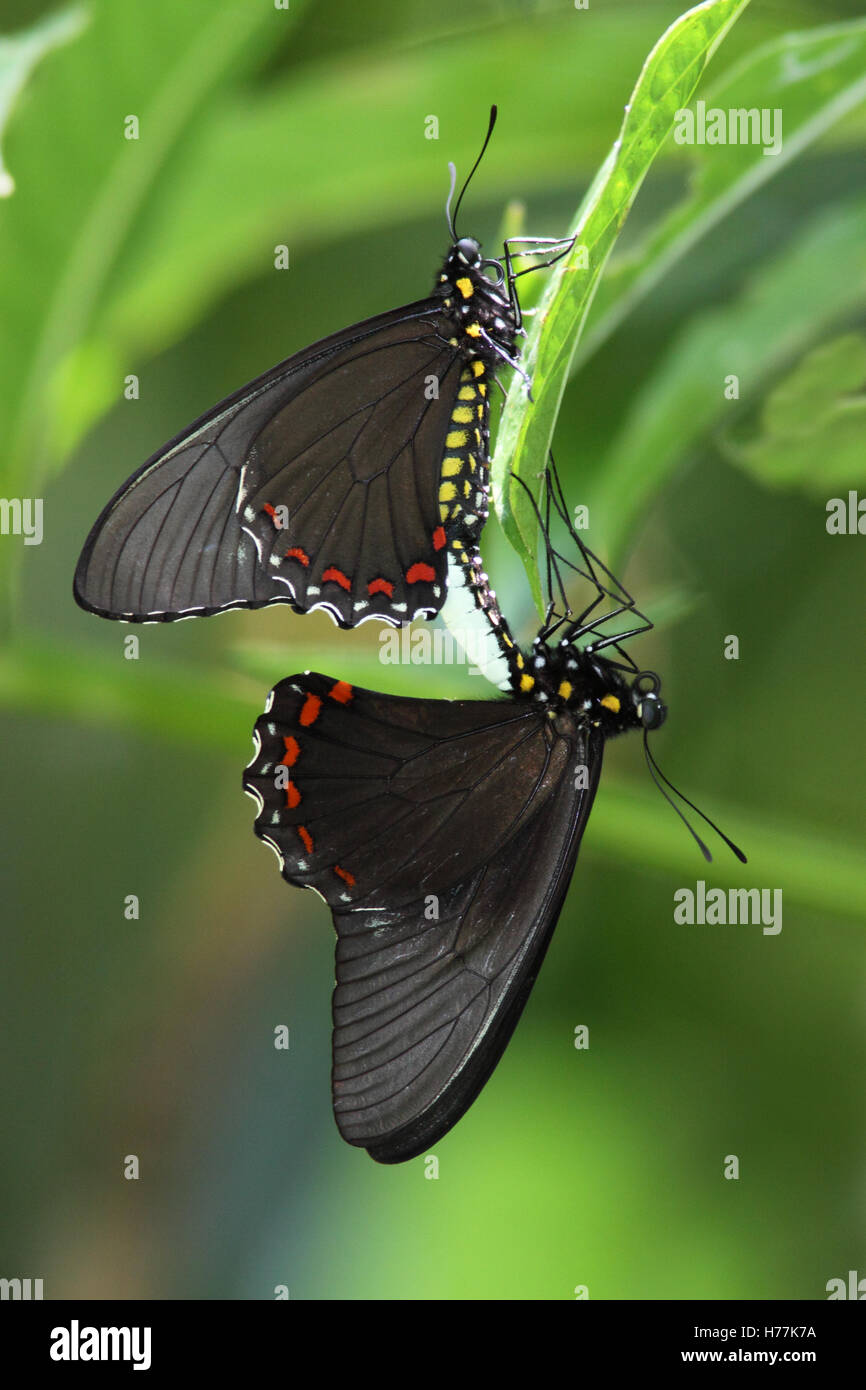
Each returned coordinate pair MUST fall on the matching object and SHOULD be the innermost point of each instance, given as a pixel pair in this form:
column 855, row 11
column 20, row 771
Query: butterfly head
column 480, row 312
column 466, row 252
column 598, row 690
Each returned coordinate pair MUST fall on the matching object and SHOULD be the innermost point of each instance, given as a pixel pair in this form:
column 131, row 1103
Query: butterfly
column 343, row 479
column 443, row 836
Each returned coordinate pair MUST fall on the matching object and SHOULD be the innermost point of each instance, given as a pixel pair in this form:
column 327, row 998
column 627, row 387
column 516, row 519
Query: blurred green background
column 154, row 1037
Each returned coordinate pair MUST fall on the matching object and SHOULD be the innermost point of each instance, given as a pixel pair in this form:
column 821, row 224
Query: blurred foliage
column 819, row 75
column 813, row 283
column 813, row 423
column 19, row 55
column 665, row 86
column 155, row 256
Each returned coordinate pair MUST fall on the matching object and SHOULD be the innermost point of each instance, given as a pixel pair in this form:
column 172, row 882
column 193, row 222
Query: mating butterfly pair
column 443, row 836
column 354, row 477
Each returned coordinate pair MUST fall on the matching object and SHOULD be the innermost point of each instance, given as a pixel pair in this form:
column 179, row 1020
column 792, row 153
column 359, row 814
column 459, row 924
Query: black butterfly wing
column 443, row 836
column 315, row 485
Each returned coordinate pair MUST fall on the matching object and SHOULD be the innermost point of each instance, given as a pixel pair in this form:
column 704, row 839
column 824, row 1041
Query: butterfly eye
column 469, row 250
column 651, row 712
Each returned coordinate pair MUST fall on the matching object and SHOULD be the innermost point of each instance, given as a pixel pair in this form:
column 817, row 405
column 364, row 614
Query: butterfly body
column 443, row 836
column 341, row 479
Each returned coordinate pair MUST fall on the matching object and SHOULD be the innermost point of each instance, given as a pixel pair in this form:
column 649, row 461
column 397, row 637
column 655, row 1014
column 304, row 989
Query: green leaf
column 812, row 433
column 20, row 54
column 665, row 86
column 797, row 298
column 815, row 78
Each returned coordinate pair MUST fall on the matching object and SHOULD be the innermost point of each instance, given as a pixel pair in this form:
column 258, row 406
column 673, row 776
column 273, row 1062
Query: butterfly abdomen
column 465, row 477
column 484, row 327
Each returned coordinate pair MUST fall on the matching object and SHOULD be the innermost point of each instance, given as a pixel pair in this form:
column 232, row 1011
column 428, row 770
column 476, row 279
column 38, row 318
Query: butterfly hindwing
column 443, row 835
column 315, row 485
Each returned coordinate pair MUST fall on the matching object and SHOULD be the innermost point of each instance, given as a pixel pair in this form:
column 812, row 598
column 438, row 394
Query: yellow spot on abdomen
column 447, row 492
column 473, row 330
column 456, row 440
column 451, row 467
column 565, row 690
column 527, row 682
column 612, row 703
column 462, row 415
column 465, row 287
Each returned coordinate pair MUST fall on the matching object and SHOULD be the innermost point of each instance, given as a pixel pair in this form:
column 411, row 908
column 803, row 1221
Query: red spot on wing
column 345, row 875
column 337, row 576
column 305, row 838
column 293, row 748
column 380, row 586
column 439, row 538
column 341, row 692
column 293, row 796
column 310, row 710
column 296, row 553
column 419, row 574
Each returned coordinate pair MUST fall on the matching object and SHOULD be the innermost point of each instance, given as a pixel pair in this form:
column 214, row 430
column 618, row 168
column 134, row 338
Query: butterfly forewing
column 336, row 480
column 311, row 486
column 443, row 836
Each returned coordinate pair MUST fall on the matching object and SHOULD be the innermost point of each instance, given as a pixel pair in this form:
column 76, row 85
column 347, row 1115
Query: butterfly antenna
column 656, row 774
column 452, row 219
column 452, row 170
